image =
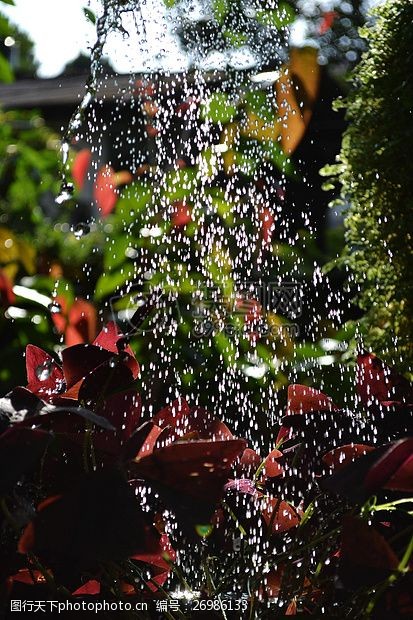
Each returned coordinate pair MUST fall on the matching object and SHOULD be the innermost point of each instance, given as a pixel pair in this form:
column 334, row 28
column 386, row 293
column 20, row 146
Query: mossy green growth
column 375, row 170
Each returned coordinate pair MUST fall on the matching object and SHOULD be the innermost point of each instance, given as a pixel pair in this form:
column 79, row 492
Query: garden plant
column 206, row 402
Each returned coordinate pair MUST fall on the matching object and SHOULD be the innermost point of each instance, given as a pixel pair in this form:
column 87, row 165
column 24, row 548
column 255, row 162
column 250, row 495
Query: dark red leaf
column 99, row 520
column 395, row 458
column 108, row 378
column 402, row 479
column 123, row 410
column 20, row 452
column 142, row 442
column 304, row 399
column 365, row 556
column 80, row 360
column 44, row 375
column 197, row 468
column 172, row 414
column 377, row 382
column 342, row 456
column 278, row 515
column 112, row 339
column 61, row 420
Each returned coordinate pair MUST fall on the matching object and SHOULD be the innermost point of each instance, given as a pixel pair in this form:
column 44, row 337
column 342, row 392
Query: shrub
column 376, row 174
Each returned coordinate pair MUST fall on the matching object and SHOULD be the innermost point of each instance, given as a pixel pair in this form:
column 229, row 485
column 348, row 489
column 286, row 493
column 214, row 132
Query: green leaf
column 246, row 164
column 180, row 184
column 259, row 103
column 226, row 348
column 225, row 209
column 235, row 39
column 90, row 16
column 132, row 204
column 220, row 9
column 279, row 18
column 11, row 2
column 116, row 253
column 218, row 109
column 6, row 73
column 109, row 283
column 273, row 152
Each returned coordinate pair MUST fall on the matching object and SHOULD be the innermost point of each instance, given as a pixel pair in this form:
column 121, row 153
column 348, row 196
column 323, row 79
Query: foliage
column 375, row 172
column 17, row 58
column 257, row 33
column 101, row 499
column 105, row 495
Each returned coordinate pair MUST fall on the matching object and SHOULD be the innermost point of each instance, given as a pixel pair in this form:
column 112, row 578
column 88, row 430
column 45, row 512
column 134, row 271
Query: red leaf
column 81, row 166
column 82, row 323
column 105, row 191
column 158, row 562
column 342, row 456
column 267, row 224
column 80, row 359
column 271, row 467
column 197, row 468
column 44, row 375
column 283, row 520
column 377, row 382
column 144, row 440
column 172, row 414
column 303, row 399
column 385, row 470
column 27, row 539
column 182, row 214
column 328, row 20
column 7, row 296
column 31, row 577
column 109, row 338
column 90, row 588
column 59, row 319
column 151, row 130
column 198, row 423
column 248, row 464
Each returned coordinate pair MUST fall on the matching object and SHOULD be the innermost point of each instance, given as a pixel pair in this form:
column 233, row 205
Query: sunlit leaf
column 90, row 16
column 6, row 72
column 220, row 9
column 218, row 109
column 281, row 17
column 259, row 103
column 297, row 91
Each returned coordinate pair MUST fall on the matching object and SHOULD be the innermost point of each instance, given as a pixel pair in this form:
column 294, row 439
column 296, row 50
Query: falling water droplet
column 54, row 307
column 81, row 229
column 43, row 371
column 66, row 193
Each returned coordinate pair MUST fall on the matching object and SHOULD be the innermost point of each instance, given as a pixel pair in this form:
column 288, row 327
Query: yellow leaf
column 27, row 256
column 296, row 93
column 8, row 247
column 260, row 129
